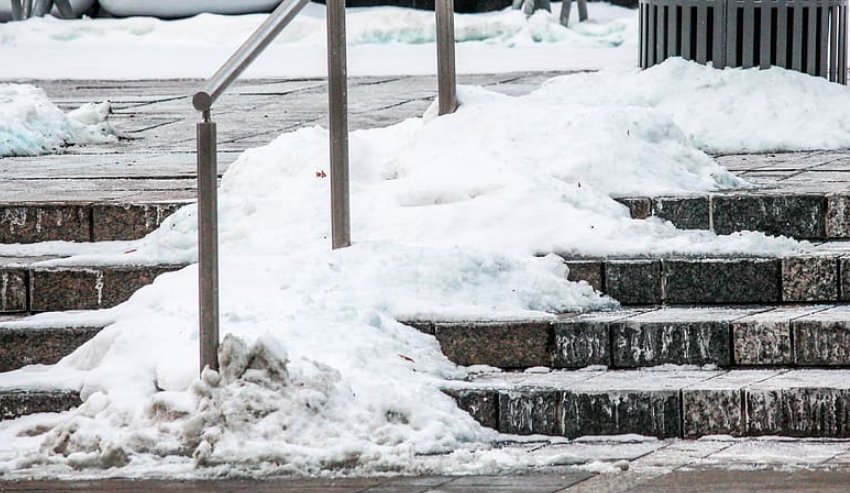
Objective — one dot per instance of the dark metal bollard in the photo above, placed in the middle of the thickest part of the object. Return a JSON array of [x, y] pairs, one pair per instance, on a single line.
[[208, 243], [446, 78], [338, 116]]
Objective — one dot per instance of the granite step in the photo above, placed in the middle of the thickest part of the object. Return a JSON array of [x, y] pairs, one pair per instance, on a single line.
[[82, 221], [662, 403], [805, 214], [26, 341], [15, 403], [737, 337], [823, 275], [33, 284]]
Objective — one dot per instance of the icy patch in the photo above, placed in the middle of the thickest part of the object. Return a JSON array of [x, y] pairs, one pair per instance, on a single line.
[[723, 111], [31, 125]]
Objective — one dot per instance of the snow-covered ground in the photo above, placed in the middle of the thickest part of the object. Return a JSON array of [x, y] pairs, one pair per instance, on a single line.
[[382, 41], [30, 124]]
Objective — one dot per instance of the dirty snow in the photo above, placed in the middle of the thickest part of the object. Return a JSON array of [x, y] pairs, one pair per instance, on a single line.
[[30, 124], [382, 41]]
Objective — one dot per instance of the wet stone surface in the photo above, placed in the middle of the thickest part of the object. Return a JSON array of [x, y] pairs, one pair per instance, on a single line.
[[722, 281], [13, 290], [20, 403], [684, 212], [530, 412], [589, 271], [795, 215], [809, 279], [580, 344], [634, 282], [639, 207], [712, 412], [819, 342], [635, 344], [799, 412], [654, 413], [504, 345], [838, 215], [761, 342], [19, 348], [30, 223], [483, 405], [128, 221]]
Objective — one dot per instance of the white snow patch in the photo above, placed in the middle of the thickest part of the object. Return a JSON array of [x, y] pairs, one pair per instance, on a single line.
[[30, 124]]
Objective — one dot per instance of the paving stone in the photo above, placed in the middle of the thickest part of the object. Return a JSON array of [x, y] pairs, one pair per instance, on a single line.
[[581, 343], [615, 413], [128, 221], [838, 215], [590, 271], [765, 338], [481, 404], [795, 215], [13, 290], [30, 223], [16, 403], [800, 403], [684, 212], [634, 282], [500, 344], [86, 288], [715, 406], [22, 347], [822, 338], [639, 207], [810, 278], [674, 336], [722, 280], [530, 412]]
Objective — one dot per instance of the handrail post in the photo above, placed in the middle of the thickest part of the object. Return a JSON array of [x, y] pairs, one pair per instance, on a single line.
[[17, 10], [208, 243], [446, 79], [338, 116]]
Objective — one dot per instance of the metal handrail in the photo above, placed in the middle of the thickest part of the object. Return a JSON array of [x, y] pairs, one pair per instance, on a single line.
[[203, 100]]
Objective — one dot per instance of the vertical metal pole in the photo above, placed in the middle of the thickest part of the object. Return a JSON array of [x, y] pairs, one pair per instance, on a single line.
[[65, 9], [208, 243], [446, 82], [338, 111], [27, 9], [17, 10]]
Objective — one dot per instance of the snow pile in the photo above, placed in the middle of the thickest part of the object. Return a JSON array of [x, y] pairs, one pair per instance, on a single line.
[[453, 218], [31, 125], [725, 111]]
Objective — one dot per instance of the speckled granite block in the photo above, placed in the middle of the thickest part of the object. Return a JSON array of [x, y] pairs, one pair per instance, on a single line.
[[810, 278], [651, 413], [844, 278], [589, 271], [722, 280], [504, 345], [13, 290], [761, 342], [634, 282], [30, 223], [635, 343], [639, 207], [22, 347], [579, 344], [712, 412], [17, 403], [421, 326], [821, 342], [684, 212], [795, 215], [481, 404], [529, 412], [838, 216], [128, 221], [85, 288], [799, 412]]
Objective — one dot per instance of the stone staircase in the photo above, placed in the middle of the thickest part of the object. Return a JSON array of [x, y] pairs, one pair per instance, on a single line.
[[737, 346]]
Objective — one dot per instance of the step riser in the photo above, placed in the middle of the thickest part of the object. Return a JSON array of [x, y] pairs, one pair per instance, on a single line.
[[718, 280], [19, 348], [14, 404], [802, 342], [811, 216], [43, 289], [31, 223], [663, 414]]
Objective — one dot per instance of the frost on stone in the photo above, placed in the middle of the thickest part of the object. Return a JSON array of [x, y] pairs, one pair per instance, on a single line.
[[30, 124]]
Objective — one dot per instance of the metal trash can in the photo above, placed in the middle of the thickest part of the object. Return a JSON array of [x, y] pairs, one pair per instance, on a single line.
[[805, 35]]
